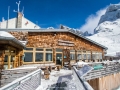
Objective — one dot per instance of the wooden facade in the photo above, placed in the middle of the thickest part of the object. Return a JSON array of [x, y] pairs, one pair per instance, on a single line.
[[11, 52], [69, 43], [10, 58]]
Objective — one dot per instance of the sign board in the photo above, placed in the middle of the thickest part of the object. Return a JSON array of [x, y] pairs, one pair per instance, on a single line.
[[65, 43]]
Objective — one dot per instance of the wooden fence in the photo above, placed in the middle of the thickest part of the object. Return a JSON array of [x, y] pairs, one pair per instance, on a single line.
[[107, 78]]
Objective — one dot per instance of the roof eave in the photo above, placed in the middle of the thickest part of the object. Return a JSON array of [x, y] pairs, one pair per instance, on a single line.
[[13, 40]]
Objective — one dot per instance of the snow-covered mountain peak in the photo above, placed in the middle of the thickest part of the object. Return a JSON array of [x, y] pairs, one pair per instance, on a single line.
[[110, 21], [107, 32], [112, 13]]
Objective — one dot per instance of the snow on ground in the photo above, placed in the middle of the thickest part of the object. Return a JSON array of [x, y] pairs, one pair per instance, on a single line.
[[54, 78]]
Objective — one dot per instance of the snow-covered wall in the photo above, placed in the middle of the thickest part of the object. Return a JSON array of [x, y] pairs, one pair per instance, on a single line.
[[11, 23], [26, 24]]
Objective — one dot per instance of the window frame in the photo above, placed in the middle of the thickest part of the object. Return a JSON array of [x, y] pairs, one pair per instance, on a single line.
[[48, 52], [32, 54], [72, 52], [79, 52]]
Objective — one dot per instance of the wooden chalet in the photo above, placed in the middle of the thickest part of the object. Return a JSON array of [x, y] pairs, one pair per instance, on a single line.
[[57, 46], [11, 52]]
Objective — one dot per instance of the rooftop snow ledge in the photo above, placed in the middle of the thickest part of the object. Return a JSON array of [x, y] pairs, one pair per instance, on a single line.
[[5, 34]]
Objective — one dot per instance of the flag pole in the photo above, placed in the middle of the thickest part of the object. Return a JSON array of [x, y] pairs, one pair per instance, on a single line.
[[8, 16]]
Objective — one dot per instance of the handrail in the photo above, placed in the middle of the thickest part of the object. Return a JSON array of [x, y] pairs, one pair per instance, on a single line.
[[84, 83], [18, 81]]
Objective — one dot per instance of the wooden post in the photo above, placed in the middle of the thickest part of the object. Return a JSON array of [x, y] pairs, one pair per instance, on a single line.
[[91, 55], [9, 61], [34, 54], [54, 55], [19, 59], [81, 55], [16, 61], [76, 55], [102, 54], [44, 61]]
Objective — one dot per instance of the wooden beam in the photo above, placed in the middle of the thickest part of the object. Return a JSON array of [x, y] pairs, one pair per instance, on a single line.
[[9, 61]]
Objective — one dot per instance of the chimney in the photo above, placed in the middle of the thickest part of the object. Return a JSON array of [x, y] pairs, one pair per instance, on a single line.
[[19, 20]]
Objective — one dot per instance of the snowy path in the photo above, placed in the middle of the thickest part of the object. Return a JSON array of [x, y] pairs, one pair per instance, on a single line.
[[55, 78]]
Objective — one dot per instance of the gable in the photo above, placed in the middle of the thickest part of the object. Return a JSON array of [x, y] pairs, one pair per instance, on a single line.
[[27, 24]]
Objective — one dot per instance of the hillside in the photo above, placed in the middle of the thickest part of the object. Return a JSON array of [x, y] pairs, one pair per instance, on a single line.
[[107, 32]]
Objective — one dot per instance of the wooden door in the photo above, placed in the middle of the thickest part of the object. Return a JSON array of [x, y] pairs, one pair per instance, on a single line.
[[66, 55]]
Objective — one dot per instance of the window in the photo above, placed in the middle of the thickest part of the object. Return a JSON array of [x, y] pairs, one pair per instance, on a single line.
[[39, 57], [50, 50], [79, 55], [12, 58], [97, 55], [40, 54], [59, 58], [6, 58], [94, 56], [48, 56], [30, 49], [89, 56], [39, 49], [28, 56], [72, 54], [84, 56], [100, 55]]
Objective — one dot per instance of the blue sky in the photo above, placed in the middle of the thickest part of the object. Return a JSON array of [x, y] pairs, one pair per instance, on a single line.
[[72, 13]]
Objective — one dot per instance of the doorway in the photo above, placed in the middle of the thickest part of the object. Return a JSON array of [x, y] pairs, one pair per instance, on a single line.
[[59, 59], [66, 57]]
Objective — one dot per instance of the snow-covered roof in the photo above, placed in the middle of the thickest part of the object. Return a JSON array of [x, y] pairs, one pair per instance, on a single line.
[[6, 34], [8, 38]]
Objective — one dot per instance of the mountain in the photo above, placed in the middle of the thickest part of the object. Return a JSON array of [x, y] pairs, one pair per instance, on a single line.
[[86, 33], [107, 32]]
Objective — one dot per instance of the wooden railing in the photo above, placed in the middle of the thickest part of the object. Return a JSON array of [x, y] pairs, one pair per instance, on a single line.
[[81, 84]]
